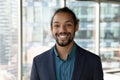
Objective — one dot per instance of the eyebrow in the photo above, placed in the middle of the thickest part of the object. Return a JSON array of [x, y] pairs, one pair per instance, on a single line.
[[65, 21], [55, 22], [70, 21]]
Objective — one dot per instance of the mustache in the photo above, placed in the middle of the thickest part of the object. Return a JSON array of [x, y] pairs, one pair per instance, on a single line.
[[62, 33]]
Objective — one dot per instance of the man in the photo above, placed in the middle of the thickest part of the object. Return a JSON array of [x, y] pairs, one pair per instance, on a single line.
[[66, 60]]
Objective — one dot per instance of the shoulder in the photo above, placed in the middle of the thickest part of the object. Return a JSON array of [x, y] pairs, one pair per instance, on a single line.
[[89, 55], [43, 56], [90, 59]]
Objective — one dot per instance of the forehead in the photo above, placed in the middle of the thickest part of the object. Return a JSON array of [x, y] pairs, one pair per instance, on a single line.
[[62, 16]]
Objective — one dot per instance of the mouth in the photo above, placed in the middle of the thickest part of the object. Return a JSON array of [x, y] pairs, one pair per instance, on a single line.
[[63, 39], [63, 36]]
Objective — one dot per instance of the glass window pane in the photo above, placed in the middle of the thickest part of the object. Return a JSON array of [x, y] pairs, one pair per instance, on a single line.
[[110, 37], [9, 27], [36, 26], [37, 36], [86, 13]]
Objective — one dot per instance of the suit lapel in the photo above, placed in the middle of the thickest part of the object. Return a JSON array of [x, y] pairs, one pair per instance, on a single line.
[[51, 65], [79, 64], [78, 68]]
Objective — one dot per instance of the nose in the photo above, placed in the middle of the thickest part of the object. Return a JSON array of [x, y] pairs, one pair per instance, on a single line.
[[63, 28]]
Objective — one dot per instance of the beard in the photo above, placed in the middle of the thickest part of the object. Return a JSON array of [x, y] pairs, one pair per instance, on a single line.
[[67, 41]]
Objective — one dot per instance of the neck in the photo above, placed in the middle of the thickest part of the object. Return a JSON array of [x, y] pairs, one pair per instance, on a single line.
[[64, 51]]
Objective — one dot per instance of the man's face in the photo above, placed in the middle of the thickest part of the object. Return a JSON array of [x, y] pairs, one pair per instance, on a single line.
[[63, 28]]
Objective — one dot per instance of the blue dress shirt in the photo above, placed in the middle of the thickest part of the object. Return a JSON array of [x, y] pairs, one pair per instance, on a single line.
[[64, 68]]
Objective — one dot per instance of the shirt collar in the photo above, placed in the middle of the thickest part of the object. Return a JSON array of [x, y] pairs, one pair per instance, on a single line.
[[71, 53]]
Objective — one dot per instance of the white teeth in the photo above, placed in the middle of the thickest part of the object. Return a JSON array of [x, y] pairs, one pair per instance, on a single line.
[[63, 36]]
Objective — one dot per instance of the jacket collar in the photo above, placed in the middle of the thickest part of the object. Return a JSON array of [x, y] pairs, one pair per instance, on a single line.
[[79, 63], [78, 67]]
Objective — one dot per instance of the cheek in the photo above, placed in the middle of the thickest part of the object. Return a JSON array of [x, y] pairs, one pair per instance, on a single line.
[[53, 32], [73, 33]]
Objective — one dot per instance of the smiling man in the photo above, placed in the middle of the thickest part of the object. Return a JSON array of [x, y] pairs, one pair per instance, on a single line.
[[66, 60]]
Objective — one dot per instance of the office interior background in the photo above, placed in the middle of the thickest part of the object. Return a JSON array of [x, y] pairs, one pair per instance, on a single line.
[[25, 33]]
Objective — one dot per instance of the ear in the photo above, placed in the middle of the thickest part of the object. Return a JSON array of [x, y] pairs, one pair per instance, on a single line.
[[76, 28]]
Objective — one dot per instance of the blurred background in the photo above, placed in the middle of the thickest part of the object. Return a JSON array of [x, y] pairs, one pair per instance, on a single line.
[[25, 33]]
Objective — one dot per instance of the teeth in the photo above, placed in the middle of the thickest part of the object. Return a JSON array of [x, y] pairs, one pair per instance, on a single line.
[[63, 36]]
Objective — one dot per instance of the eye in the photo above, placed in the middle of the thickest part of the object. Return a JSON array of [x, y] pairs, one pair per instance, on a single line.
[[68, 25], [55, 25]]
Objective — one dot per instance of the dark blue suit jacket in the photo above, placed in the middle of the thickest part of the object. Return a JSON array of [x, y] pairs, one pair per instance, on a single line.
[[87, 66]]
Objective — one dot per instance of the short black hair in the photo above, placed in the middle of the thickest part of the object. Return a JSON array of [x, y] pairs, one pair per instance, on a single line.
[[66, 10]]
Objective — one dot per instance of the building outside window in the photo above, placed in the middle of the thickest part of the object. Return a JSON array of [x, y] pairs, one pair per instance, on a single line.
[[99, 31], [9, 25]]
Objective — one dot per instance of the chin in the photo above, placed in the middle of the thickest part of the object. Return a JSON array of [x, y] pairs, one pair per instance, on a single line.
[[64, 44]]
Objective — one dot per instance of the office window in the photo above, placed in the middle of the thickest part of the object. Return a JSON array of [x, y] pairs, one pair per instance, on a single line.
[[36, 37], [9, 30], [86, 13], [93, 17], [109, 36], [36, 30]]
